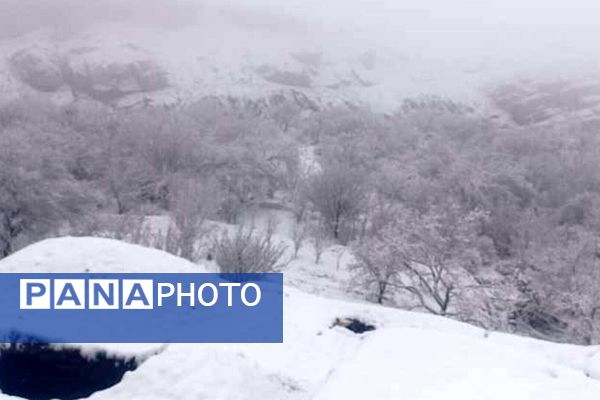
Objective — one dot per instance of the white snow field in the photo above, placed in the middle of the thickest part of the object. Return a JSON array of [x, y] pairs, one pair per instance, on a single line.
[[409, 356]]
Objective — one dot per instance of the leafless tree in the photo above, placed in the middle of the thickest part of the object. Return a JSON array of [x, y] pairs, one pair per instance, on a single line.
[[192, 203], [246, 251], [38, 195], [422, 255], [299, 233], [378, 268], [319, 236], [338, 192]]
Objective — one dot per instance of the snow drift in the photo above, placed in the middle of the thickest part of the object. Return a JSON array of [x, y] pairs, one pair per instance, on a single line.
[[408, 355]]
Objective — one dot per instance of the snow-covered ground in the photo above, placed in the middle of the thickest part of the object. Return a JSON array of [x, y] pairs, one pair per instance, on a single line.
[[409, 355]]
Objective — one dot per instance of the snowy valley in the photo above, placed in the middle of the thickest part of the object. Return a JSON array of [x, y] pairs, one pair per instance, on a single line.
[[424, 174]]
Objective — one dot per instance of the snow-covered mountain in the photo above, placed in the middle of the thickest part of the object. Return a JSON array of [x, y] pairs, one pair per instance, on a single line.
[[224, 54], [323, 55], [408, 355]]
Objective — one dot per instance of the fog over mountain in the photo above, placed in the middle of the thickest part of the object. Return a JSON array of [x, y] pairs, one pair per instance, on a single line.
[[462, 26], [376, 52]]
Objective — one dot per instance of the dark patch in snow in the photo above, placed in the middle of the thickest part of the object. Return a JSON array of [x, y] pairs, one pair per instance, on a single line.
[[300, 79], [38, 371], [353, 325]]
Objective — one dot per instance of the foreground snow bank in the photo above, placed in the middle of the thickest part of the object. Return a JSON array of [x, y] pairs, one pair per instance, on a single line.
[[89, 254], [422, 364], [409, 355]]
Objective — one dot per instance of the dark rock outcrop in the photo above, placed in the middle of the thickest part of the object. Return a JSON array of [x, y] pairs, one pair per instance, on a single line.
[[46, 71], [110, 82], [38, 69], [299, 79], [533, 102], [38, 371], [354, 325]]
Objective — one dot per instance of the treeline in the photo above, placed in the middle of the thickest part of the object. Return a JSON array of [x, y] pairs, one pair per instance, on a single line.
[[444, 210]]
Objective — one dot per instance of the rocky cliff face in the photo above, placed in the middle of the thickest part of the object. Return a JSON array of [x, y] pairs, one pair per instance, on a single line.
[[86, 75], [113, 81], [544, 101], [38, 68]]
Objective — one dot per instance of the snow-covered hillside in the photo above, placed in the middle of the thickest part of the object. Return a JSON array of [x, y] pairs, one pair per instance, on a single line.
[[409, 355], [245, 61], [317, 52]]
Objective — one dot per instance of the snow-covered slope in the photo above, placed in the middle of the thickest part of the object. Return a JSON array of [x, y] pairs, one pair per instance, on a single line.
[[90, 254], [324, 52], [409, 355], [84, 255], [243, 63], [244, 52]]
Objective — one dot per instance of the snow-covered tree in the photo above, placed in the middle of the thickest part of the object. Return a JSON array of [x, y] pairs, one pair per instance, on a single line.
[[247, 251], [338, 193], [192, 203], [426, 256], [38, 194]]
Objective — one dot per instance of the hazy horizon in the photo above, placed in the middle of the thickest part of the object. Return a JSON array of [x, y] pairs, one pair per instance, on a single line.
[[541, 34]]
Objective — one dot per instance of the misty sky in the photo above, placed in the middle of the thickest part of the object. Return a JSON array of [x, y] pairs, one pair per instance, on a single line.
[[569, 17], [570, 26], [558, 33], [448, 15], [453, 12]]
